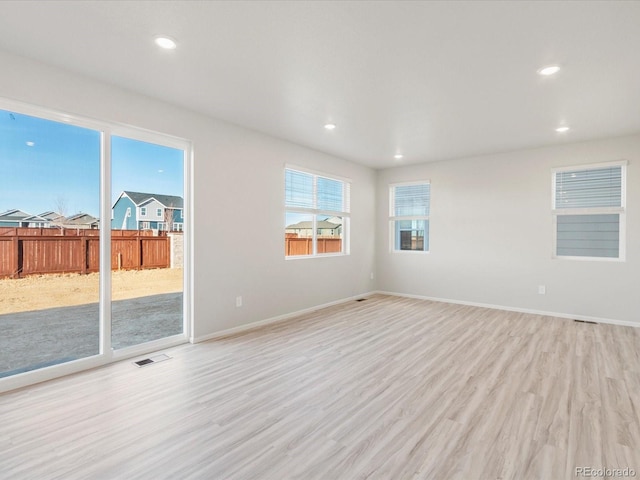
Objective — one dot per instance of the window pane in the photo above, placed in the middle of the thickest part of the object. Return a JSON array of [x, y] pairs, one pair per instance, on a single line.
[[412, 235], [588, 235], [330, 195], [597, 187], [329, 231], [49, 242], [298, 189], [298, 234], [411, 200], [146, 253]]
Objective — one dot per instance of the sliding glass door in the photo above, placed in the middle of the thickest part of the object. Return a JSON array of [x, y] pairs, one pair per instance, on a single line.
[[93, 251], [49, 242]]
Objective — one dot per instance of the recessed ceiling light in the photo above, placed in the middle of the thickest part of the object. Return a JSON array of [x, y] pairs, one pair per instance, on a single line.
[[165, 42], [330, 126], [548, 70], [398, 156], [562, 129], [30, 144]]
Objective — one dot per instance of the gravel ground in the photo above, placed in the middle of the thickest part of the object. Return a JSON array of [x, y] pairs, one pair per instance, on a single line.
[[34, 339]]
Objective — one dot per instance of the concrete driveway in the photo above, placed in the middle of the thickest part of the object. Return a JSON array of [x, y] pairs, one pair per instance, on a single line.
[[31, 340]]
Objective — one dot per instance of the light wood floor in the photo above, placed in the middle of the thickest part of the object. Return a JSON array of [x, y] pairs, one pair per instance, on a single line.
[[389, 388]]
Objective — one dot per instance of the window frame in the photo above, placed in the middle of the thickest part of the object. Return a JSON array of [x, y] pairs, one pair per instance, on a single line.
[[397, 218], [314, 212], [620, 211], [107, 355]]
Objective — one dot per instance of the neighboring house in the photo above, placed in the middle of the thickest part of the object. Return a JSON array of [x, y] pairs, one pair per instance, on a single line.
[[37, 221], [82, 221], [54, 219], [15, 218], [19, 218], [144, 211], [325, 228]]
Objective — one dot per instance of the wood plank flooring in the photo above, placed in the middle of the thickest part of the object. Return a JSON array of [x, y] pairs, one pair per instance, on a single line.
[[388, 388]]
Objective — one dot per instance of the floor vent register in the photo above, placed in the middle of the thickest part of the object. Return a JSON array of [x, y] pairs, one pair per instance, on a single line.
[[151, 360]]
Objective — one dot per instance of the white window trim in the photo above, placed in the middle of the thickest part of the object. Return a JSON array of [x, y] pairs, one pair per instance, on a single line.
[[395, 218], [314, 212], [555, 212]]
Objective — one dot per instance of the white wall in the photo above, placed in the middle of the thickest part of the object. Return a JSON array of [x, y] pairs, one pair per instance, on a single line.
[[238, 182], [491, 235]]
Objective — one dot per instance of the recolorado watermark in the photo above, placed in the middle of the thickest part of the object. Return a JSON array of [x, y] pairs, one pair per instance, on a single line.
[[603, 472]]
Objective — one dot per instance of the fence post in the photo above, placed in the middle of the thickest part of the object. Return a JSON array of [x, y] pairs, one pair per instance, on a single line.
[[15, 258], [139, 251], [83, 253]]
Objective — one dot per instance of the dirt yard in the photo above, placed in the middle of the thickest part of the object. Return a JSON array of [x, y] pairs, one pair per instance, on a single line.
[[47, 291]]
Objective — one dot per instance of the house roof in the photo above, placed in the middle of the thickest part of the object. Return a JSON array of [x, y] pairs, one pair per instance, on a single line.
[[51, 216], [166, 200], [81, 219], [14, 215], [321, 224], [35, 218]]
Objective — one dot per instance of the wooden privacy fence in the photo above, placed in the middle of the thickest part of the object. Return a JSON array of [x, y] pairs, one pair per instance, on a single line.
[[31, 251], [304, 246]]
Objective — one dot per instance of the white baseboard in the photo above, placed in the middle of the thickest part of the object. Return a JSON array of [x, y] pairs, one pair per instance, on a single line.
[[287, 316], [516, 309], [269, 321]]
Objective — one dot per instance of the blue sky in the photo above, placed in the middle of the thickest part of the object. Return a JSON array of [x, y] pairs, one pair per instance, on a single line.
[[45, 163]]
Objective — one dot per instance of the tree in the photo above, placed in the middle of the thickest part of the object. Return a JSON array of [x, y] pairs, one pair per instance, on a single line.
[[168, 217], [60, 207]]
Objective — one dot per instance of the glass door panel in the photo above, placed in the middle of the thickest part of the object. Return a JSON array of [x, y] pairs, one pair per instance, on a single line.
[[147, 241], [49, 242]]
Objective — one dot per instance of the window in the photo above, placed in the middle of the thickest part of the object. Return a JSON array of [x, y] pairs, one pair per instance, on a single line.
[[128, 212], [409, 216], [589, 211], [317, 214], [143, 211], [158, 212]]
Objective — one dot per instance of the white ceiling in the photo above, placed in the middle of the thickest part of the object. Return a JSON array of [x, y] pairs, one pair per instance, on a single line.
[[432, 80]]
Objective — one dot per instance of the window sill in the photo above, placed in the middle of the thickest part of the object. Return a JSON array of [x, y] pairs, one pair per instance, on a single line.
[[412, 252], [588, 259], [324, 255]]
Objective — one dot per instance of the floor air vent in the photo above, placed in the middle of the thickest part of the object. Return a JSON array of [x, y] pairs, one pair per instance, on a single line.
[[148, 361], [586, 321], [361, 300]]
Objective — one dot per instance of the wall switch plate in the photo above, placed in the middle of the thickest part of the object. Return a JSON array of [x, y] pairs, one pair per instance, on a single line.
[[542, 289], [238, 301]]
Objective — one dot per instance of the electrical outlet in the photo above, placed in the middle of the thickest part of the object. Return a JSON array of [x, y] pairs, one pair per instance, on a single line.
[[542, 289], [238, 301]]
